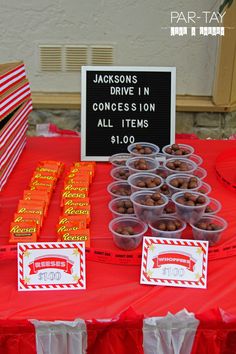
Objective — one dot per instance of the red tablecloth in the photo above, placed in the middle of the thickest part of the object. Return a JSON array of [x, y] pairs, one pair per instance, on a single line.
[[110, 288]]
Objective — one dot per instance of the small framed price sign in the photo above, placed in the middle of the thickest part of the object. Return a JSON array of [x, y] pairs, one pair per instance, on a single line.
[[124, 105], [51, 266], [174, 262]]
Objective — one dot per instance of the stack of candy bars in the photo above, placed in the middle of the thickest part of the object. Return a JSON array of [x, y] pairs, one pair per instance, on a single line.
[[32, 209], [15, 106], [74, 222]]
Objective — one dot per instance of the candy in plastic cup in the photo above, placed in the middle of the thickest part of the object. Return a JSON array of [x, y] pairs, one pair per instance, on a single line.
[[182, 181], [120, 173], [213, 207], [143, 149], [209, 228], [121, 207], [189, 213], [166, 226], [119, 189], [127, 232], [145, 212], [205, 188], [144, 180], [179, 165], [119, 159], [183, 151], [142, 164]]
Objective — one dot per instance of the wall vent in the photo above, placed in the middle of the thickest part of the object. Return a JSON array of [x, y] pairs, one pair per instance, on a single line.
[[101, 55], [66, 58], [75, 57], [50, 57]]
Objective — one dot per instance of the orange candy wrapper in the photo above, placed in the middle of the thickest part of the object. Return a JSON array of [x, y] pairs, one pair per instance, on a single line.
[[78, 187], [37, 195], [23, 232], [29, 217], [51, 164], [40, 182], [32, 204], [79, 220], [61, 229], [76, 202], [83, 210], [76, 236], [48, 176], [73, 178]]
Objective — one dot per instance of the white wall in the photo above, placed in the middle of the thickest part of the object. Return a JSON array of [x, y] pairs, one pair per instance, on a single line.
[[134, 27]]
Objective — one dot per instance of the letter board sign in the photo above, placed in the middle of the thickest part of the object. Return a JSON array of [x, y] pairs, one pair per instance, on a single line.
[[123, 105]]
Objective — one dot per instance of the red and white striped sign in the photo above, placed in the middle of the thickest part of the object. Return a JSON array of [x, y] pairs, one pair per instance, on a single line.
[[51, 266], [174, 262]]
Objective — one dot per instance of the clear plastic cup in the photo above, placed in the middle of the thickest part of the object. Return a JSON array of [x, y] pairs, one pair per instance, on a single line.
[[200, 172], [188, 213], [162, 172], [189, 165], [196, 158], [141, 180], [164, 227], [205, 188], [119, 189], [185, 177], [119, 159], [120, 173], [213, 207], [147, 149], [169, 209], [121, 207], [189, 150], [136, 164], [147, 213], [161, 158], [213, 236], [127, 241], [164, 189]]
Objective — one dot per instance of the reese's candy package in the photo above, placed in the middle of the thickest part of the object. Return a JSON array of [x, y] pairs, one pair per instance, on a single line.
[[52, 169], [40, 182], [80, 210], [73, 178], [32, 204], [23, 232], [36, 195], [50, 164], [80, 220], [78, 187], [49, 176], [29, 217], [76, 202], [62, 228], [42, 187], [76, 236]]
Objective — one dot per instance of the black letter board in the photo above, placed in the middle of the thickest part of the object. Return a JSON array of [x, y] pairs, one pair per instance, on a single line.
[[123, 105]]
